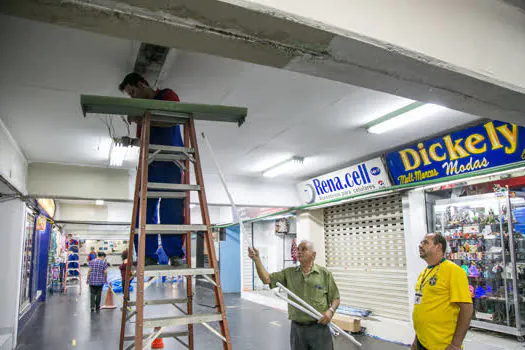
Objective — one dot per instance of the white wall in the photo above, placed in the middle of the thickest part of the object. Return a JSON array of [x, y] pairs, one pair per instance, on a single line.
[[11, 240], [76, 181], [485, 37], [13, 164], [310, 227], [414, 217]]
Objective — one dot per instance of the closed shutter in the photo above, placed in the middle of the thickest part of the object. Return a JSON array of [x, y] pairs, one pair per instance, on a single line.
[[365, 251], [247, 263]]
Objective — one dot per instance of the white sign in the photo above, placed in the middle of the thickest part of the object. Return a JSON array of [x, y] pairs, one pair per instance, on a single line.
[[356, 179]]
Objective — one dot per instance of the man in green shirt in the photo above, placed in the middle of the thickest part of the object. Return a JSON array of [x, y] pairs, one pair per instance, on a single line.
[[316, 286]]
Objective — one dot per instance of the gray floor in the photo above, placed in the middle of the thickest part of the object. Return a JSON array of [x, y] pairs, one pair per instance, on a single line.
[[65, 322]]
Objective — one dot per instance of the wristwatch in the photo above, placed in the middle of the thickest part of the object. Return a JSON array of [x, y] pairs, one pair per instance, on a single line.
[[332, 309]]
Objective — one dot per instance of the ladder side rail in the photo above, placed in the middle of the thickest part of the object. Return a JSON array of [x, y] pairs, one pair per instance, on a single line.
[[127, 276], [141, 251], [219, 298], [187, 221]]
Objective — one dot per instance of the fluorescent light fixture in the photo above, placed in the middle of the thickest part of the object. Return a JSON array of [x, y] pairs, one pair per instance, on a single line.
[[99, 202], [399, 118], [287, 166], [193, 205], [119, 153]]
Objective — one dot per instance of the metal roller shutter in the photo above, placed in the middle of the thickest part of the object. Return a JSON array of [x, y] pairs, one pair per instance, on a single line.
[[247, 264], [365, 251]]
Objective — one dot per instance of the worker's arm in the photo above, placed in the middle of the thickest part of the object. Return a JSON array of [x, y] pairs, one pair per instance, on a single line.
[[261, 271], [465, 314], [87, 278], [414, 344], [334, 298]]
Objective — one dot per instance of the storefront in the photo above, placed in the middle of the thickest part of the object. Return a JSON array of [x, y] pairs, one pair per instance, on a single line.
[[363, 237], [34, 281], [473, 182]]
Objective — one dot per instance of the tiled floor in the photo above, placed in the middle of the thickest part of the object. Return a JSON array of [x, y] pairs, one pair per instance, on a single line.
[[64, 322]]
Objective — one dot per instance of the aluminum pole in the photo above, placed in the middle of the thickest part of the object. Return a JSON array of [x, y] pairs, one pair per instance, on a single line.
[[311, 312]]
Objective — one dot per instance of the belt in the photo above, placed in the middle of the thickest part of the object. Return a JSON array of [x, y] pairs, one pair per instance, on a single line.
[[305, 324]]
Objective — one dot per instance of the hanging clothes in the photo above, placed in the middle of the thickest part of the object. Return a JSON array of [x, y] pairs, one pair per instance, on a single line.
[[294, 250]]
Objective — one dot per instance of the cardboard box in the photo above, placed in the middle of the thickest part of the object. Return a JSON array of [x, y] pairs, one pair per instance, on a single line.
[[347, 323]]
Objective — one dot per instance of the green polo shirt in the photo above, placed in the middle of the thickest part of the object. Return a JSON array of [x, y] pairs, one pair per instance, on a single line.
[[318, 289]]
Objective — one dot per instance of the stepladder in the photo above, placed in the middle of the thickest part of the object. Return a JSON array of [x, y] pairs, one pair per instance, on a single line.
[[147, 326], [72, 272]]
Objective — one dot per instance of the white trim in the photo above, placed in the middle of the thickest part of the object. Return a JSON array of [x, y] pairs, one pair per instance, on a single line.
[[13, 141]]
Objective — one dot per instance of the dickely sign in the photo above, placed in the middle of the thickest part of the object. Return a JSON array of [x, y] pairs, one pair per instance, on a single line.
[[360, 178], [481, 147]]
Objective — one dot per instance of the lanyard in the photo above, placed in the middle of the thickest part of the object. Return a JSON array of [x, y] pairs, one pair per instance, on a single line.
[[427, 273]]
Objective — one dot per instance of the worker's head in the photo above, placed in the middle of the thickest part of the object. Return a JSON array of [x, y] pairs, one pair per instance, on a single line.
[[306, 252], [69, 235], [92, 249], [101, 255], [136, 86], [433, 247]]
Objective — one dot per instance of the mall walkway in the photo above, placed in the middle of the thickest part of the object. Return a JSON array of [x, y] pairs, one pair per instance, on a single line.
[[65, 322]]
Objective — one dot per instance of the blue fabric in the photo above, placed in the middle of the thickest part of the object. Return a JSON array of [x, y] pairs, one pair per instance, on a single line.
[[171, 210]]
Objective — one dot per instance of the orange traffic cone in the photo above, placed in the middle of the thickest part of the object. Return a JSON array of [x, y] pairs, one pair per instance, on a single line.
[[157, 343], [109, 304]]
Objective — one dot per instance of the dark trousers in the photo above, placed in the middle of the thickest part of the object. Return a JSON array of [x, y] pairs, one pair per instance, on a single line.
[[420, 346], [312, 336], [96, 293]]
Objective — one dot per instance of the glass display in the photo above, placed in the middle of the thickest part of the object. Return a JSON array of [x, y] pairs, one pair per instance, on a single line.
[[491, 251], [27, 263]]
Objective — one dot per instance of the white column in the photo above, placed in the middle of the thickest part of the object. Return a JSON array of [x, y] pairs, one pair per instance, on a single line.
[[414, 217], [310, 227]]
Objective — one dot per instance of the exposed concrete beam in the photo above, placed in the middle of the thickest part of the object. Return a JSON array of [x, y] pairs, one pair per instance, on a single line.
[[275, 39]]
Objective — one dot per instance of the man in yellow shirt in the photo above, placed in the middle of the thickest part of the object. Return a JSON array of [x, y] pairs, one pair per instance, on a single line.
[[443, 305]]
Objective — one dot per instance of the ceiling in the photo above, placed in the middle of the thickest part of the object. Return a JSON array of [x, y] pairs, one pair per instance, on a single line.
[[46, 68]]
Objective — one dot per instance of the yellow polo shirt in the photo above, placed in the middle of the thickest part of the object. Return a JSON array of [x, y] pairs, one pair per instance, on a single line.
[[435, 318]]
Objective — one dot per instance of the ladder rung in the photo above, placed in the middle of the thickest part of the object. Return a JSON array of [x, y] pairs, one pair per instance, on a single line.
[[171, 149], [170, 271], [167, 157], [174, 187], [155, 194], [162, 335], [174, 229], [160, 302], [181, 320]]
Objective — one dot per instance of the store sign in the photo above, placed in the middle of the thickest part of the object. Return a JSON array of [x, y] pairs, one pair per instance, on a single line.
[[481, 147], [356, 179]]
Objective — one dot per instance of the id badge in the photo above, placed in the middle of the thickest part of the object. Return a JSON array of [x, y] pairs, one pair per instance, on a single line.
[[419, 296]]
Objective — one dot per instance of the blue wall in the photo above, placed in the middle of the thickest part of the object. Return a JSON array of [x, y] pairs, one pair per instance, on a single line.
[[230, 261]]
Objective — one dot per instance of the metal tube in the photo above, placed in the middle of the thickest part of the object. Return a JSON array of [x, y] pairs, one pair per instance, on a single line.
[[310, 311], [306, 311], [213, 330], [221, 175]]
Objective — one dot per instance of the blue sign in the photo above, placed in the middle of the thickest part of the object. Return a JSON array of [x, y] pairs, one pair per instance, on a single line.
[[481, 147]]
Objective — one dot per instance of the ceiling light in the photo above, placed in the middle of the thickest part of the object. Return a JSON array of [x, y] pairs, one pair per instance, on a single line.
[[399, 118], [287, 166], [121, 152], [193, 205], [99, 202]]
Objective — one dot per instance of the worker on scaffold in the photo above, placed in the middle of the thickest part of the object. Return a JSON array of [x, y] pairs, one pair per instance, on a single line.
[[164, 211]]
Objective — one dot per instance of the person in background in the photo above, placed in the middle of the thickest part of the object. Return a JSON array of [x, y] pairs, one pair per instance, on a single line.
[[96, 278], [92, 255], [443, 305], [159, 210], [316, 286], [122, 267]]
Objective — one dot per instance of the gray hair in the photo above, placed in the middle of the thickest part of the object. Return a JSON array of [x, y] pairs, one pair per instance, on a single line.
[[310, 243]]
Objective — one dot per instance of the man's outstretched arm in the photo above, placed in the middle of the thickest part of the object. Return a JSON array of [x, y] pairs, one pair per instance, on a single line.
[[261, 271]]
